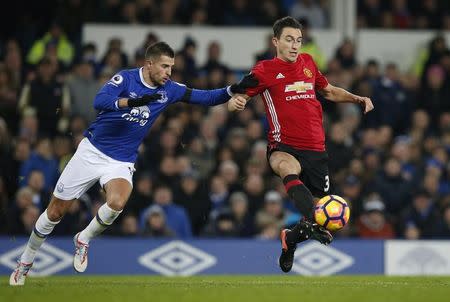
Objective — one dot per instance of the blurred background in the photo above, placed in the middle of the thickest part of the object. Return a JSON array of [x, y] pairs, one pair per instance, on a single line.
[[202, 172]]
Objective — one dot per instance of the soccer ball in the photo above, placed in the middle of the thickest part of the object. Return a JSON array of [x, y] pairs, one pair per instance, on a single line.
[[332, 212]]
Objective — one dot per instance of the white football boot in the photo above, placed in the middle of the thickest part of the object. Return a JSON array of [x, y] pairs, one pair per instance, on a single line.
[[19, 274], [80, 259]]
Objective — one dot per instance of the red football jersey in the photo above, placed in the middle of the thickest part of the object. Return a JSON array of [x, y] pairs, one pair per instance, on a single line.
[[292, 108]]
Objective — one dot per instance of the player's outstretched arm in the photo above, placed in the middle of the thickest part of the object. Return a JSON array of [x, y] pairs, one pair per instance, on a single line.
[[219, 96], [339, 95]]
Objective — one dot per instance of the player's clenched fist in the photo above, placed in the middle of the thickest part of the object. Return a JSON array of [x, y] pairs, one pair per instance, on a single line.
[[237, 103], [366, 103]]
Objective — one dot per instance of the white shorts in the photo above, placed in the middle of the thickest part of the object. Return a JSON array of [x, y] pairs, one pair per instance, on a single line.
[[87, 166]]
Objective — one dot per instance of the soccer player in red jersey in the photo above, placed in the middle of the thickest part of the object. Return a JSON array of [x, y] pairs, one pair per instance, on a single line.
[[296, 140]]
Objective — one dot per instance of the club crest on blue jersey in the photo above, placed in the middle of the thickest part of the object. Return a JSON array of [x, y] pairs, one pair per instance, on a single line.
[[138, 115], [164, 97]]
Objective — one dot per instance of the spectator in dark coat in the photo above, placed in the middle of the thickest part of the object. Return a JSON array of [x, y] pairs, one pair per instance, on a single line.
[[435, 96], [49, 96], [141, 197], [239, 209], [423, 214], [393, 102], [340, 153], [192, 195], [392, 187]]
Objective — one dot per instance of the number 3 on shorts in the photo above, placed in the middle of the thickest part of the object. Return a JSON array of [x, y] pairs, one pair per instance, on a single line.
[[327, 183]]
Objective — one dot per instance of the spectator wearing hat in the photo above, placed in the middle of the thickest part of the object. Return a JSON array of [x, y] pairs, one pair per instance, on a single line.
[[239, 209], [177, 218], [272, 217], [373, 224], [155, 223], [221, 225]]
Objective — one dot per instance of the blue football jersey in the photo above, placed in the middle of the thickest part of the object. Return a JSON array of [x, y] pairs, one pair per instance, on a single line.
[[118, 132]]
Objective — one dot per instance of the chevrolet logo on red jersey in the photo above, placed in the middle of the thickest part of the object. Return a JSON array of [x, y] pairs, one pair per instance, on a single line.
[[299, 87]]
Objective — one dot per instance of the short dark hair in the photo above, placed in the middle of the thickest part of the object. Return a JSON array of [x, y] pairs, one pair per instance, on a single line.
[[158, 49], [284, 22]]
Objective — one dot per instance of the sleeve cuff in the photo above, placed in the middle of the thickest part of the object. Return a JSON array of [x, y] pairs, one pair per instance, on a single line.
[[116, 104], [229, 91]]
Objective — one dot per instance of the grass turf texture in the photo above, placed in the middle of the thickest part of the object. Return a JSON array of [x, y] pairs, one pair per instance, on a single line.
[[228, 288]]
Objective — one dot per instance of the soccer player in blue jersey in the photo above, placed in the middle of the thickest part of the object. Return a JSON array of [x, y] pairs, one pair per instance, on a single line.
[[128, 105]]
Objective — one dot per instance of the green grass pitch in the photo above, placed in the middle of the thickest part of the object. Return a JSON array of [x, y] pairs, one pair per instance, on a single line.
[[228, 288]]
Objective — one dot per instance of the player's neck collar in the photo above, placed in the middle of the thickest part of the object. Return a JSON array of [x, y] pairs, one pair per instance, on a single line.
[[141, 76], [287, 62]]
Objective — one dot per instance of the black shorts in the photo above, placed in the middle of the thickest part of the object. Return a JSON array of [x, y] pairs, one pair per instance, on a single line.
[[314, 164]]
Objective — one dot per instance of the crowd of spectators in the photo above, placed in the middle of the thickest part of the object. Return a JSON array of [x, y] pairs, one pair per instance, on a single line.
[[203, 171], [29, 19], [404, 14]]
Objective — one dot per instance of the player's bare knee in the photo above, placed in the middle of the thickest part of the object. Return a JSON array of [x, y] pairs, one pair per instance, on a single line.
[[57, 209], [116, 202]]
